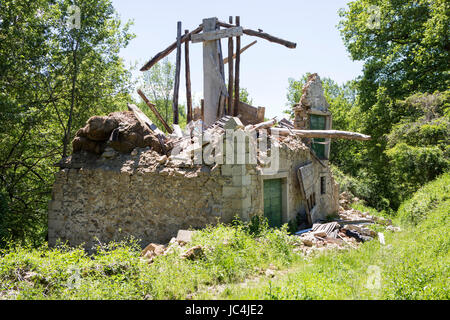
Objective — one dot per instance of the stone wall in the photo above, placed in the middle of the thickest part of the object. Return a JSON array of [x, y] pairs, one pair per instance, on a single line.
[[113, 199], [145, 195]]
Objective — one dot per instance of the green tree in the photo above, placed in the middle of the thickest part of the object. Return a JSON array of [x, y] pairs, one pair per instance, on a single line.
[[405, 48], [53, 76], [158, 86]]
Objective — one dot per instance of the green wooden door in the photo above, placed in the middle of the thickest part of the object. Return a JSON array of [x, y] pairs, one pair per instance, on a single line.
[[318, 123], [272, 202]]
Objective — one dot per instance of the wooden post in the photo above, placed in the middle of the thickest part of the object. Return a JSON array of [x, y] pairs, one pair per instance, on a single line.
[[177, 75], [230, 73], [212, 79], [155, 111], [202, 106], [188, 79], [236, 72]]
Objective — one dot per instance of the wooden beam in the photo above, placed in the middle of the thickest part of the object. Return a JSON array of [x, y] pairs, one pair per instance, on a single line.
[[144, 120], [225, 61], [176, 88], [262, 35], [270, 38], [169, 49], [188, 79], [236, 71], [230, 73], [333, 134], [217, 34], [265, 125], [155, 111]]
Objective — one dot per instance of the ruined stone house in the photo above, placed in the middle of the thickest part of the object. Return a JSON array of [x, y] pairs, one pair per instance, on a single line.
[[127, 178]]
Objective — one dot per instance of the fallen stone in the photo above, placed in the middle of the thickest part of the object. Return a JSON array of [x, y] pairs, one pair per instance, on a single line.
[[153, 249], [321, 234], [233, 124], [308, 242], [184, 236], [193, 253], [361, 230]]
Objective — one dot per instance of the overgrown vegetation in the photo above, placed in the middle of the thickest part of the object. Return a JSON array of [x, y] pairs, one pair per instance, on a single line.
[[117, 271], [413, 264], [54, 75]]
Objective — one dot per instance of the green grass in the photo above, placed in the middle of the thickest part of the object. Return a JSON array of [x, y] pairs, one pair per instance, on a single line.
[[414, 264], [116, 270]]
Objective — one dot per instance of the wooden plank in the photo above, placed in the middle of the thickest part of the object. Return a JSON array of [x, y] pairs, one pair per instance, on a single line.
[[176, 88], [225, 61], [217, 34], [169, 49], [332, 134], [230, 73], [260, 113], [262, 35], [265, 124], [221, 109], [188, 79], [236, 70], [144, 120], [155, 111]]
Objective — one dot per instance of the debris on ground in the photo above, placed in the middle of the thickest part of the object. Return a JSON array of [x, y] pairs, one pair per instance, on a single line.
[[193, 253], [350, 230], [180, 243]]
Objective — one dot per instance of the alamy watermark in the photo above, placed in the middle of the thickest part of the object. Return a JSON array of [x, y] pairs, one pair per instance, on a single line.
[[74, 280], [373, 281], [231, 147], [374, 21], [73, 21]]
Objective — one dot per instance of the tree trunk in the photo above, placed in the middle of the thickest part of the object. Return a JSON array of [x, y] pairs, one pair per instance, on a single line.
[[72, 100]]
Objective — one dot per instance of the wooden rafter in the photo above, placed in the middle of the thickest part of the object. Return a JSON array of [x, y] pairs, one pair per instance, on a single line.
[[169, 49]]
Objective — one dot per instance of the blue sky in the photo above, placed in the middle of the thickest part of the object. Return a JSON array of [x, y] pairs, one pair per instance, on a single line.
[[266, 66]]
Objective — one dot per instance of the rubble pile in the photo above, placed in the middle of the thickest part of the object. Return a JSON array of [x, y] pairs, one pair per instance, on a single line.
[[349, 231], [120, 131]]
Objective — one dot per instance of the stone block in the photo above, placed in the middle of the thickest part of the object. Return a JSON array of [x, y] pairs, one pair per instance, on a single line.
[[185, 235], [232, 192], [233, 124], [227, 170], [239, 170], [246, 180]]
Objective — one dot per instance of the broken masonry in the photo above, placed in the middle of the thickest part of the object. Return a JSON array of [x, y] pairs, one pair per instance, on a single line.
[[127, 177]]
